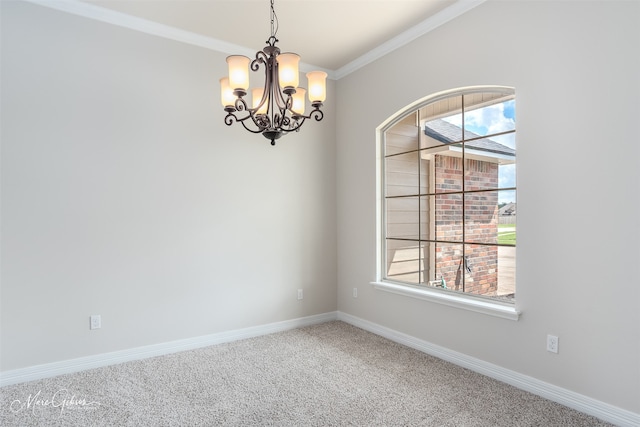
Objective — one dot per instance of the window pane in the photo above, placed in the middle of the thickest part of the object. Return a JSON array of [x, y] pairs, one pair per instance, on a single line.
[[489, 218], [425, 173], [506, 218], [481, 217], [441, 122], [447, 261], [404, 261], [447, 174], [447, 224], [488, 119], [480, 175], [506, 273], [427, 205], [489, 165], [507, 176], [507, 231], [403, 218], [428, 262], [490, 271], [404, 174], [506, 140], [441, 132], [481, 270], [402, 137]]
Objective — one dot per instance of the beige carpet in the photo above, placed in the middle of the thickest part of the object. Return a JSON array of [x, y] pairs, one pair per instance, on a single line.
[[331, 374]]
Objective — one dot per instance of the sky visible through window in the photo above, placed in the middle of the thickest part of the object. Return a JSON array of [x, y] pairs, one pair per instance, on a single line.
[[495, 118]]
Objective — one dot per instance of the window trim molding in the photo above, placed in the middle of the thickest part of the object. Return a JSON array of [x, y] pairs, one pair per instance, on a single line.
[[451, 299], [439, 296]]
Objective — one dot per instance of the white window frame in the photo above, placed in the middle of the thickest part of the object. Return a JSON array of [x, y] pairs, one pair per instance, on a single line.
[[453, 299]]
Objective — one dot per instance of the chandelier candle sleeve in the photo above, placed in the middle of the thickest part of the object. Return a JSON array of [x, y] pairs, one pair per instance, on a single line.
[[288, 70], [298, 101], [317, 86], [238, 73], [227, 97], [256, 97]]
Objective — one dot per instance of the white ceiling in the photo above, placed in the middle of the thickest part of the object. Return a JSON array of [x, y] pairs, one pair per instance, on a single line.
[[328, 34]]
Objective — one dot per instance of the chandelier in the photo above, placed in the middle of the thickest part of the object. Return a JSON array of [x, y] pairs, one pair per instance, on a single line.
[[278, 107]]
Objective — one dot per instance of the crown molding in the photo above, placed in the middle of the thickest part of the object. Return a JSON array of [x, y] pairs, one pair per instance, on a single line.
[[120, 19], [442, 17], [124, 20]]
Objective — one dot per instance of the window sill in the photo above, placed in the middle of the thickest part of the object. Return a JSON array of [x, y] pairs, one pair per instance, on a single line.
[[479, 305]]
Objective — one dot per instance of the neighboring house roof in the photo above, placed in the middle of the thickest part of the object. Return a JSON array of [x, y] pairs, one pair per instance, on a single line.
[[508, 209], [446, 132]]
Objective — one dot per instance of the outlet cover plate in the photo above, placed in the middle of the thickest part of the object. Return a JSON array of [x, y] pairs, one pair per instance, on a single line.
[[95, 322], [552, 343]]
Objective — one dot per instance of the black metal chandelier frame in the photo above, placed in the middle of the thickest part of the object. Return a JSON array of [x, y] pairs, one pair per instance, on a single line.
[[279, 118]]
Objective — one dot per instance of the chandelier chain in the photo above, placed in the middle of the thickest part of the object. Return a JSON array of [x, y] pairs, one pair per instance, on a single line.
[[274, 21]]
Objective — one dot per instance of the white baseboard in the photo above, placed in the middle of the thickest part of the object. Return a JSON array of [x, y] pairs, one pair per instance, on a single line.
[[565, 397], [587, 405], [90, 362]]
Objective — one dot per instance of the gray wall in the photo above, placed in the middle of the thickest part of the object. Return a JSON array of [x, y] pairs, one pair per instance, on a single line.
[[574, 68], [124, 194]]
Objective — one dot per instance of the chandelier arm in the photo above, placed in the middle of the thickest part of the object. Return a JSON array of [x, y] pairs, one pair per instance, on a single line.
[[260, 121], [277, 105], [285, 102], [285, 123], [316, 113], [261, 58], [267, 81], [276, 123], [230, 118], [282, 103], [281, 114], [241, 104], [284, 106], [258, 130], [265, 97], [296, 123]]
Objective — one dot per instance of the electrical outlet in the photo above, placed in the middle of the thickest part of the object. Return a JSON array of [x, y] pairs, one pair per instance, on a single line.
[[95, 322], [355, 292], [552, 343], [300, 295]]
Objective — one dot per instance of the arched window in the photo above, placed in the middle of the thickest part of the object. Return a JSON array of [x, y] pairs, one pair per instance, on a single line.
[[448, 194]]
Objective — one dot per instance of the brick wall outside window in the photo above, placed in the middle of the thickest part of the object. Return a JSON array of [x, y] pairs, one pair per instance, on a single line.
[[480, 219]]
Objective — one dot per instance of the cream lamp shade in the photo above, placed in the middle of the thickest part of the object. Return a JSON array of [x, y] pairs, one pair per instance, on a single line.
[[226, 93], [317, 86], [288, 69], [256, 97], [298, 101], [238, 72]]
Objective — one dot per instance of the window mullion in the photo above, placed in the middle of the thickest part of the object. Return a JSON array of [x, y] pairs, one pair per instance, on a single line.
[[464, 210]]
